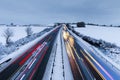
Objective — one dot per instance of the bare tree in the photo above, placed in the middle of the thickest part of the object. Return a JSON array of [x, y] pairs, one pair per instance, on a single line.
[[29, 31], [8, 33]]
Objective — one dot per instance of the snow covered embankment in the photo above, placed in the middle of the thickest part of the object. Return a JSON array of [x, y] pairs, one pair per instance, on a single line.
[[15, 45], [104, 46]]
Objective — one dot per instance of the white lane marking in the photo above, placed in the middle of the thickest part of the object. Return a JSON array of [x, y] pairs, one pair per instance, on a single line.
[[22, 77], [32, 63]]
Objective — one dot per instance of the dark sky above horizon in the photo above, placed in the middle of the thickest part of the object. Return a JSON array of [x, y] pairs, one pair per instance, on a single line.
[[51, 11]]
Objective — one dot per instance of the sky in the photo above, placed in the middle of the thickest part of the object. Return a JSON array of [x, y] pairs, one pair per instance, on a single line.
[[52, 11]]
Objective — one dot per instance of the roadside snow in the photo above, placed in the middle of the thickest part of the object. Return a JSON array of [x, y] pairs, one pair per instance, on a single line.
[[37, 29], [109, 34]]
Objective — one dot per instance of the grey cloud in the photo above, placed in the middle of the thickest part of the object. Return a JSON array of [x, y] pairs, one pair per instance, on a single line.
[[50, 11]]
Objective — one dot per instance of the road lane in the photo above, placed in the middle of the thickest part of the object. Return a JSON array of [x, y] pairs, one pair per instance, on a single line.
[[79, 70]]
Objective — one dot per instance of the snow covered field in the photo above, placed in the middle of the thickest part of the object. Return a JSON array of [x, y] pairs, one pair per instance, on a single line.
[[109, 34], [18, 32], [19, 35]]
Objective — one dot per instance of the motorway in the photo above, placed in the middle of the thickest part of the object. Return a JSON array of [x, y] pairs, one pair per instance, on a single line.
[[85, 64], [31, 64]]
